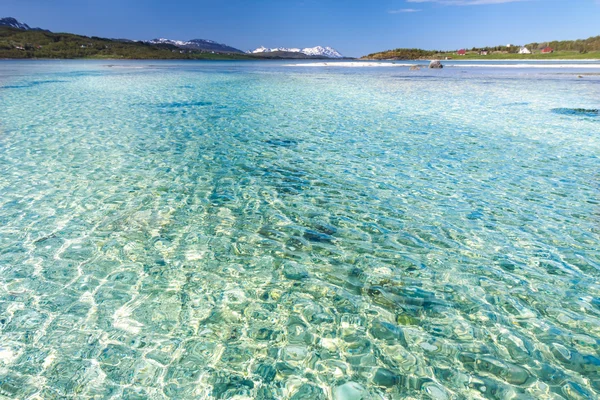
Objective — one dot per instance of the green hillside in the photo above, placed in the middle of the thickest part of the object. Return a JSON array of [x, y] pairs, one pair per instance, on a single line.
[[402, 54], [582, 46], [15, 43], [568, 49]]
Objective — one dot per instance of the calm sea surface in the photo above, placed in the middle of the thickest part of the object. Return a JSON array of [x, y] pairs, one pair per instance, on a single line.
[[262, 231]]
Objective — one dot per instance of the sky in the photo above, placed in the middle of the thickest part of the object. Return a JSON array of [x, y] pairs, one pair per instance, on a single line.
[[353, 27]]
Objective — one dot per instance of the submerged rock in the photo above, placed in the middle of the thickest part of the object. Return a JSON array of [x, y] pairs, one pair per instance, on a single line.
[[319, 237], [386, 378], [282, 142], [349, 391], [308, 391], [184, 104], [415, 68], [581, 112], [266, 372], [390, 333], [436, 64], [295, 272]]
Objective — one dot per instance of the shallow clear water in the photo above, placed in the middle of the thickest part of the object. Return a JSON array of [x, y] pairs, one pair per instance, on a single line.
[[213, 230]]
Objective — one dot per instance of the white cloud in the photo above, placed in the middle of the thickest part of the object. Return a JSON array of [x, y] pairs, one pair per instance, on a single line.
[[403, 10], [466, 2]]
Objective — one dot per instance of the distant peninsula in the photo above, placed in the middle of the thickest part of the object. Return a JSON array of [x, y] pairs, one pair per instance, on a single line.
[[566, 50]]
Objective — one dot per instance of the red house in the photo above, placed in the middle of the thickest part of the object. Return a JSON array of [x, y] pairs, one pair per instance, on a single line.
[[462, 52], [547, 50]]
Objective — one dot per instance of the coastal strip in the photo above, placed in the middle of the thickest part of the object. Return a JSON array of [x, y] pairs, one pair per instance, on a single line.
[[453, 65]]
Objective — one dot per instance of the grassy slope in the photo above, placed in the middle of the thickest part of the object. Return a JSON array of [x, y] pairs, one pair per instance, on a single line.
[[568, 49], [557, 55], [38, 44]]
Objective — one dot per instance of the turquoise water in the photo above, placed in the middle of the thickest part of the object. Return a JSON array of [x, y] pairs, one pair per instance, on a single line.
[[254, 230]]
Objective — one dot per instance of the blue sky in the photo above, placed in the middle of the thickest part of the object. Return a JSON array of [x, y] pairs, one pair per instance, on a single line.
[[354, 27]]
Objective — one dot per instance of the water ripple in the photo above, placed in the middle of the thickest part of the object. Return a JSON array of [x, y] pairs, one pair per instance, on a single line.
[[263, 236]]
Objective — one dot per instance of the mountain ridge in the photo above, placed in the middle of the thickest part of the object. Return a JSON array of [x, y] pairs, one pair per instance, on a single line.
[[11, 22], [318, 51], [198, 44], [19, 41], [29, 48]]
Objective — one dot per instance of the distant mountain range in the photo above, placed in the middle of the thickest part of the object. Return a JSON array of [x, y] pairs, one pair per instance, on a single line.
[[198, 44], [20, 41], [282, 52], [195, 48], [318, 51]]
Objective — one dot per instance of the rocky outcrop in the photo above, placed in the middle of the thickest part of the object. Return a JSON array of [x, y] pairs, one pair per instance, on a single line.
[[436, 64]]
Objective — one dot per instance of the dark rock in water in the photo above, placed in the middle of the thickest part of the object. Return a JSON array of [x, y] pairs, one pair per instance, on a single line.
[[315, 236], [436, 64], [185, 104], [265, 393], [325, 228], [263, 334], [227, 386], [475, 215], [507, 266], [386, 378], [308, 391], [385, 331], [285, 369], [30, 84], [267, 372], [295, 272], [297, 243], [282, 142], [581, 112]]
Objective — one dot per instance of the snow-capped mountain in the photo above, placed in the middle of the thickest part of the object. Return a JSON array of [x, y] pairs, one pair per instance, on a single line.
[[263, 49], [178, 43], [318, 51], [197, 44], [13, 23], [322, 51]]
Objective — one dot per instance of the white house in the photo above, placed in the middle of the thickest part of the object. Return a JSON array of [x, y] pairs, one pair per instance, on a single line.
[[524, 50]]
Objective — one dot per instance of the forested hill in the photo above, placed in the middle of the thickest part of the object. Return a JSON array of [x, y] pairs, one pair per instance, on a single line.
[[583, 48], [582, 45], [19, 43], [402, 54]]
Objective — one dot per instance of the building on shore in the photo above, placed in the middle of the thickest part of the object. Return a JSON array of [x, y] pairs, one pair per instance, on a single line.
[[547, 50], [462, 52], [524, 50]]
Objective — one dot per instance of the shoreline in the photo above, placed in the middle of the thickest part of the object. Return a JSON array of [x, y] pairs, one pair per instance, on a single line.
[[332, 60], [524, 60], [447, 64], [491, 60]]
